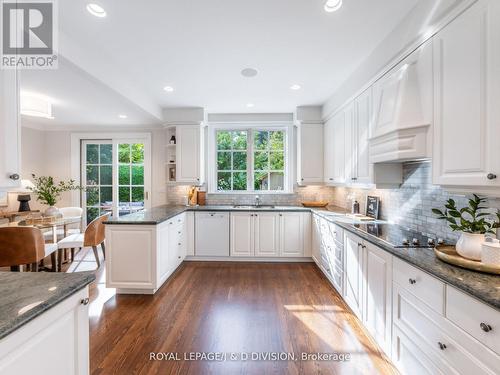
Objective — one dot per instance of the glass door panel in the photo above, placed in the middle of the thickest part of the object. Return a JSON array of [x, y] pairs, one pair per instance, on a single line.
[[97, 178], [131, 190]]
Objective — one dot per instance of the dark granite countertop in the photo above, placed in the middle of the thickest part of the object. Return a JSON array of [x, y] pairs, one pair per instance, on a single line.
[[157, 215], [482, 286], [24, 296]]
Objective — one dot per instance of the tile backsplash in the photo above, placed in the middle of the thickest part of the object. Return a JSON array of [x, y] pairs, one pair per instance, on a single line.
[[309, 193], [411, 204]]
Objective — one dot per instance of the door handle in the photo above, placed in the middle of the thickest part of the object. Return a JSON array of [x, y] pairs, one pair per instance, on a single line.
[[146, 195]]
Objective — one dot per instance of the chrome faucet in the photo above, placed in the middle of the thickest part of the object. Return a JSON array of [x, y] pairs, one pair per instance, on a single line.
[[257, 201]]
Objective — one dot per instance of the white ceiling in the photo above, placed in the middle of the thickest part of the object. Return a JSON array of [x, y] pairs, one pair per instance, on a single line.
[[199, 47]]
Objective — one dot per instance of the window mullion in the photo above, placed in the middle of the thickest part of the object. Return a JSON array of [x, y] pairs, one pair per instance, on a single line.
[[250, 161]]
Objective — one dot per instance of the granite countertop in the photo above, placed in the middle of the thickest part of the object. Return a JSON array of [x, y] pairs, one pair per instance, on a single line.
[[159, 214], [25, 295], [482, 286]]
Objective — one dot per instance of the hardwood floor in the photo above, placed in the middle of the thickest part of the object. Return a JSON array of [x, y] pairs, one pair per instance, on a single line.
[[230, 308]]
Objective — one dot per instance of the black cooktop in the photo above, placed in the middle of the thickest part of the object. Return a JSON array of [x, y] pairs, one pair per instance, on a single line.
[[399, 236]]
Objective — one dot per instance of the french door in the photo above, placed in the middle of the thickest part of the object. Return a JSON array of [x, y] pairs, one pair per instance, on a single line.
[[116, 174]]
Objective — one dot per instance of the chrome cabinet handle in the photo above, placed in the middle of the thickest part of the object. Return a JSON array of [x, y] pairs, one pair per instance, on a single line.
[[485, 327], [84, 301], [491, 176], [14, 177], [412, 281], [442, 346]]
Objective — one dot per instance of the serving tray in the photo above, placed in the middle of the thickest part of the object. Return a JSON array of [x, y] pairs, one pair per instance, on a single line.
[[315, 204], [449, 255]]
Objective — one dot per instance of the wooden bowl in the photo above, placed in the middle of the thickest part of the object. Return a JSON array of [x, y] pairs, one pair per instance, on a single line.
[[449, 255], [315, 204]]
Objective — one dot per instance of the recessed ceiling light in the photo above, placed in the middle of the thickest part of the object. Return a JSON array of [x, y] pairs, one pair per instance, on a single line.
[[96, 10], [168, 88], [295, 87], [250, 105], [249, 72], [122, 116], [332, 5]]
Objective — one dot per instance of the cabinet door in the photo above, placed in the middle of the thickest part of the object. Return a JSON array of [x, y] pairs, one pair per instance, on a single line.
[[212, 234], [339, 148], [266, 234], [10, 149], [189, 154], [467, 93], [310, 154], [353, 273], [362, 118], [242, 234], [377, 294], [173, 246], [316, 239], [292, 234], [328, 145], [163, 252]]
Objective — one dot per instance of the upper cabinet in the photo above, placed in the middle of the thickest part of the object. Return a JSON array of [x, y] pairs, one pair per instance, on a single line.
[[467, 97], [10, 149], [310, 153], [402, 110], [362, 114], [189, 154], [328, 162]]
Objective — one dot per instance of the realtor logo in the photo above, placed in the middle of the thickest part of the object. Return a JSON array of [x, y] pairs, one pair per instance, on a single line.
[[28, 34]]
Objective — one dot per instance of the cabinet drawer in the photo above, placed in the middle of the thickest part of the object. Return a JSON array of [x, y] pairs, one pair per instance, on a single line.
[[477, 319], [338, 279], [337, 233], [424, 326], [427, 288], [408, 357], [339, 255]]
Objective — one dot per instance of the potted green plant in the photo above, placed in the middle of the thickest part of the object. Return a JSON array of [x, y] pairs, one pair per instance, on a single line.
[[474, 222], [48, 192]]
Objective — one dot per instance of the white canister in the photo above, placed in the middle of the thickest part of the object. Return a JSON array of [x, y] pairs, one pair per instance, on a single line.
[[490, 252]]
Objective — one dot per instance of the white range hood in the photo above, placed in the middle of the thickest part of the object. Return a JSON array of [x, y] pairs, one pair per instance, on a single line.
[[402, 112]]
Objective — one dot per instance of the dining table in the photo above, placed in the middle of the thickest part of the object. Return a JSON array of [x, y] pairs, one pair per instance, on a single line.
[[53, 225]]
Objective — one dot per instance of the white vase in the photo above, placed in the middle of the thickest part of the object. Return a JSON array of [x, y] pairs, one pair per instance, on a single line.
[[51, 211], [469, 245]]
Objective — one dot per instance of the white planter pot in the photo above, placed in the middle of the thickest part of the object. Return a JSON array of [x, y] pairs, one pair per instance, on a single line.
[[51, 211], [469, 245]]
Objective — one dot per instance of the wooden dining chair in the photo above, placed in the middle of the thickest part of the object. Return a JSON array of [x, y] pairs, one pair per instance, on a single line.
[[24, 246], [92, 237]]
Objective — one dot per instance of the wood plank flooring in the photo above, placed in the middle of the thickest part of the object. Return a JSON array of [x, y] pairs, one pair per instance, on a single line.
[[230, 308]]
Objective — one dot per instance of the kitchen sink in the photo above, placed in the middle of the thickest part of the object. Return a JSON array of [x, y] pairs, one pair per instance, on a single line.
[[249, 207]]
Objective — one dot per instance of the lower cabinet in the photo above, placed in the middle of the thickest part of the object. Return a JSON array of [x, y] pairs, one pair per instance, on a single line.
[[140, 258], [354, 273], [56, 342], [270, 234]]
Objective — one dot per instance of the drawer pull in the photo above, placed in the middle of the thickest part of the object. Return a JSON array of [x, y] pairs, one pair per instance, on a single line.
[[485, 327], [179, 244], [442, 346], [179, 232], [84, 301], [491, 176], [412, 281]]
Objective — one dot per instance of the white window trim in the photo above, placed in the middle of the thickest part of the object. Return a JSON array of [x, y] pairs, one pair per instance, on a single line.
[[212, 156]]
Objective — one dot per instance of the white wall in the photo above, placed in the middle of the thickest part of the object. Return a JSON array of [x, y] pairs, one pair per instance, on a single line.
[[49, 153]]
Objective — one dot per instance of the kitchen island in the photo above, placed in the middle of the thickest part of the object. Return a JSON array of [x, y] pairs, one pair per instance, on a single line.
[[44, 323]]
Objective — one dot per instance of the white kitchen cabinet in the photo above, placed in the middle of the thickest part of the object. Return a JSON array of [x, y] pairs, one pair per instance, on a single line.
[[212, 234], [55, 342], [189, 154], [353, 273], [328, 159], [242, 234], [316, 239], [361, 171], [10, 137], [377, 295], [310, 154], [267, 234], [292, 234], [467, 93], [140, 258], [342, 121]]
